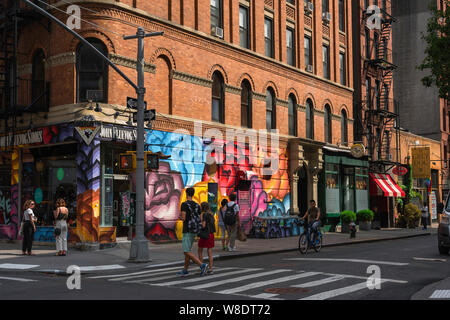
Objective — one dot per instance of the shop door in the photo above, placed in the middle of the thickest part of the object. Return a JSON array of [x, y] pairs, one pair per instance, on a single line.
[[120, 185]]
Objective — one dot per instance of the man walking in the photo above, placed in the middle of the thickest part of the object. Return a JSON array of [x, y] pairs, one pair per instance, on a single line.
[[190, 215], [232, 221]]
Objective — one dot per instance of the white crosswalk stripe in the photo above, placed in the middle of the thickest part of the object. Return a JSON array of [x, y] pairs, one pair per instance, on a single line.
[[17, 279], [266, 283], [321, 285], [338, 292]]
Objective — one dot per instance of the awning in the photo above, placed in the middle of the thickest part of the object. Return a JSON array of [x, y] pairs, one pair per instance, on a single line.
[[382, 184]]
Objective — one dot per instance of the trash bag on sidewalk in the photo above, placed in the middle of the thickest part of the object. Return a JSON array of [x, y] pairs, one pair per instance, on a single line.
[[241, 235]]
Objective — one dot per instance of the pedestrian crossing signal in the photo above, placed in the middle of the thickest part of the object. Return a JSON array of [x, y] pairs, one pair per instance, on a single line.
[[127, 161], [151, 161]]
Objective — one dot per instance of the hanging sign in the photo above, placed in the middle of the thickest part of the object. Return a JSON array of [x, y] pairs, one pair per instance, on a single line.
[[400, 170], [421, 162], [358, 150]]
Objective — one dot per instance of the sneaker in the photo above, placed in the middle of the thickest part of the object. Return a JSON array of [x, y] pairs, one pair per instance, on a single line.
[[232, 249], [203, 268], [183, 273], [210, 271]]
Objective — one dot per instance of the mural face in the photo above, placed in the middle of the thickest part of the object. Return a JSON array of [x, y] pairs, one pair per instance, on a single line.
[[187, 167]]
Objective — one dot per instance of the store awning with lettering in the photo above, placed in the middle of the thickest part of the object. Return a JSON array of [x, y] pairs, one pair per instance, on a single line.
[[384, 185]]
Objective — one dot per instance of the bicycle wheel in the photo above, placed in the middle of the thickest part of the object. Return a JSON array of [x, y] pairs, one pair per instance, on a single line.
[[303, 244], [318, 242]]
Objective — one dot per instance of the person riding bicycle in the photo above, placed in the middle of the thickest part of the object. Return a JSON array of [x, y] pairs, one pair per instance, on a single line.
[[313, 215]]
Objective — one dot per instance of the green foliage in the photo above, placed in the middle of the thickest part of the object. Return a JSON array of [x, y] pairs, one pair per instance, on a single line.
[[437, 58], [410, 217], [365, 215], [348, 216]]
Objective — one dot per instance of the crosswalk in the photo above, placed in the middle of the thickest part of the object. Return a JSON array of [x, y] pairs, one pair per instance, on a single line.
[[259, 283]]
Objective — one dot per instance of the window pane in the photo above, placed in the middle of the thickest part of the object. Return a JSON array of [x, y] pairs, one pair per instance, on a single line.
[[308, 60], [343, 72], [290, 47], [325, 57], [216, 110], [243, 27], [268, 35], [292, 116], [341, 15]]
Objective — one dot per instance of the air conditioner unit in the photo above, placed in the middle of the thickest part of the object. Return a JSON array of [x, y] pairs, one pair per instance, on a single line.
[[309, 7], [309, 68], [326, 17], [217, 32], [94, 95]]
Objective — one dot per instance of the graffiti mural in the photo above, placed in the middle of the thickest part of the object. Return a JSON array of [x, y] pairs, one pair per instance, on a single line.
[[187, 167]]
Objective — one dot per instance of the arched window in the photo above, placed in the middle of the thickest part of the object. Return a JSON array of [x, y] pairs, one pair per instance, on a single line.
[[246, 104], [292, 111], [328, 127], [92, 72], [218, 98], [38, 82], [309, 119], [271, 118], [344, 130]]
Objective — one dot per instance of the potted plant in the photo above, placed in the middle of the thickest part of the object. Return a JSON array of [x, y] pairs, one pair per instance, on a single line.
[[346, 218], [365, 218]]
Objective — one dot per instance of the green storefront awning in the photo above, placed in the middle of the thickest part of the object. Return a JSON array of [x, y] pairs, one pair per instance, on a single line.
[[346, 161]]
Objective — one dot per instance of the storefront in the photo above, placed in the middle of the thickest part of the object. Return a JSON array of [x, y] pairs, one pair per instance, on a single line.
[[344, 185]]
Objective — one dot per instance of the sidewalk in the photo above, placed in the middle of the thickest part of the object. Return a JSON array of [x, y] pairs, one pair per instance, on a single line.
[[171, 254]]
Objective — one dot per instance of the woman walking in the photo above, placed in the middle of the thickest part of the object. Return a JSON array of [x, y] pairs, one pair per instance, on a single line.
[[223, 230], [208, 223], [61, 213], [29, 228]]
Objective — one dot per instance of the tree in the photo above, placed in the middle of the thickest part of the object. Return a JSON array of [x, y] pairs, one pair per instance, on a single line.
[[438, 50]]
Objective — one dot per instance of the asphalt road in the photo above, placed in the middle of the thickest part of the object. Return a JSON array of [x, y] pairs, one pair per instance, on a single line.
[[406, 266]]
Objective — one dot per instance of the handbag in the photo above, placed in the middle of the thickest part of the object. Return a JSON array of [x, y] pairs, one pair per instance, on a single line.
[[204, 232], [57, 231], [241, 234]]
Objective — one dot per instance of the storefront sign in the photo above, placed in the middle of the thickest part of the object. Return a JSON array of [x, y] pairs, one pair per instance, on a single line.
[[400, 171], [118, 133], [421, 162], [87, 133], [358, 150], [23, 138], [433, 206]]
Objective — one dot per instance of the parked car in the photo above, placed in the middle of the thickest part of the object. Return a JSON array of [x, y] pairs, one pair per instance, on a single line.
[[444, 229]]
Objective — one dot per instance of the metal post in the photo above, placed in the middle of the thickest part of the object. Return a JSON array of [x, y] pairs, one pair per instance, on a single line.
[[139, 245]]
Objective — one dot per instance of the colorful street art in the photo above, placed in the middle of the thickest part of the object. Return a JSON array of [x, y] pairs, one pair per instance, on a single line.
[[187, 167]]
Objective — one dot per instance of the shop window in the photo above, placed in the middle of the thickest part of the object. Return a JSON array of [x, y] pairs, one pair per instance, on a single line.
[[50, 173], [349, 188], [92, 72], [332, 188], [5, 190]]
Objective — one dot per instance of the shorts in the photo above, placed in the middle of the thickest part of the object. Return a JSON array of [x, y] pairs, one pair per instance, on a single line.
[[188, 241], [207, 243]]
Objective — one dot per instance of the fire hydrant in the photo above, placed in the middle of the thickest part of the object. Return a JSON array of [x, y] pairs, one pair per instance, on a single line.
[[352, 230]]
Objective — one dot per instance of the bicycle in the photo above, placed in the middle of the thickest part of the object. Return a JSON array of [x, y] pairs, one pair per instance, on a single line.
[[308, 239]]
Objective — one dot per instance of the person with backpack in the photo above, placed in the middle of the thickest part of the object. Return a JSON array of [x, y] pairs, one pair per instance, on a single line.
[[209, 228], [223, 230], [190, 215], [231, 220]]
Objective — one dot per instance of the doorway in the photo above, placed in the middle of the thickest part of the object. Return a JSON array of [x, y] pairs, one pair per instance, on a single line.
[[302, 190], [120, 185]]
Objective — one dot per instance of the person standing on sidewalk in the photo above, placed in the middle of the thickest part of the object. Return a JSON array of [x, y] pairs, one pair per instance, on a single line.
[[29, 228], [424, 216], [223, 230], [208, 223], [190, 215], [232, 220], [61, 214]]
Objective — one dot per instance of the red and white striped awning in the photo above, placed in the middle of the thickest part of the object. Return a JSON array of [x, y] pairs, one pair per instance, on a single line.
[[384, 185]]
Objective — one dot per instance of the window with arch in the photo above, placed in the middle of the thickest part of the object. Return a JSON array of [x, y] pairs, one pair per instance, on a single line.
[[38, 90], [328, 127], [92, 72], [270, 109], [344, 128], [292, 112], [309, 119], [246, 104], [218, 98]]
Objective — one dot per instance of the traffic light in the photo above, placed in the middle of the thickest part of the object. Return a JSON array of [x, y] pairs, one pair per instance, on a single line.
[[127, 161], [151, 161]]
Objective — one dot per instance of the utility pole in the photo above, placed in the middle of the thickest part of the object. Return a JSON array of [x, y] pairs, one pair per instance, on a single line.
[[139, 245]]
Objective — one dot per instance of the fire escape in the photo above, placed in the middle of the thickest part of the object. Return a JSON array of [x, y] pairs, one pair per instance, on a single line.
[[380, 119], [19, 94]]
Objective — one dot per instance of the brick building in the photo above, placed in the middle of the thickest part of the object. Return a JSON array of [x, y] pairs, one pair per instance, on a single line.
[[221, 64]]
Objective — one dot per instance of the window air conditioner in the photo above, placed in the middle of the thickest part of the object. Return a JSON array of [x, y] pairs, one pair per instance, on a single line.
[[217, 32], [309, 68], [326, 17]]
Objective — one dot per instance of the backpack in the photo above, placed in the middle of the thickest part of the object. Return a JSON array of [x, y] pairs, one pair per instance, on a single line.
[[230, 216], [194, 222]]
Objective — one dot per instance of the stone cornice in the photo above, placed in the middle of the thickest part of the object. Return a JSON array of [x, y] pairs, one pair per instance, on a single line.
[[130, 63], [282, 103], [259, 96], [61, 59], [233, 89], [186, 77]]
